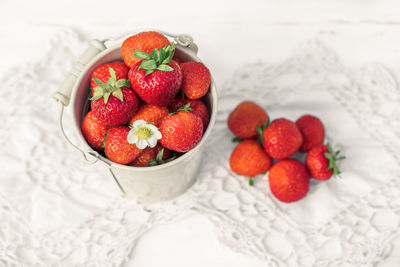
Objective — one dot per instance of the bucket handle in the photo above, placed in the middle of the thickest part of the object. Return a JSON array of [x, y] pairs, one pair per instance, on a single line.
[[184, 41], [91, 156], [94, 154], [63, 95], [64, 92]]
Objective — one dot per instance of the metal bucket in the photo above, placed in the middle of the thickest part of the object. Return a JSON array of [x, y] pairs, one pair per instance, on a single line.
[[145, 184]]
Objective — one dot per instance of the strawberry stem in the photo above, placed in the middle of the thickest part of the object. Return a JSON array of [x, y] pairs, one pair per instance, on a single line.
[[333, 157], [236, 139], [159, 159], [104, 139], [251, 181], [186, 108], [260, 130]]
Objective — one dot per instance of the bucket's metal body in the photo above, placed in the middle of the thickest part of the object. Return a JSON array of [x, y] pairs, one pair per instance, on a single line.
[[146, 184]]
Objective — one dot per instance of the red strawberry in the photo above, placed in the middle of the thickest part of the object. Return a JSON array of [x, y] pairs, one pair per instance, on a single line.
[[152, 156], [117, 148], [150, 114], [321, 162], [245, 118], [312, 130], [181, 131], [289, 180], [196, 79], [157, 78], [103, 74], [113, 102], [177, 60], [249, 159], [197, 107], [116, 112], [94, 130], [282, 139], [145, 41]]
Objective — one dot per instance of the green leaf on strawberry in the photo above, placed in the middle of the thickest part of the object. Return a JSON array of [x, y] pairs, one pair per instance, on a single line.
[[148, 64], [162, 54], [186, 108], [157, 60], [106, 96], [160, 155], [98, 93], [112, 73], [141, 54], [165, 68], [251, 181], [237, 139], [260, 131], [155, 54], [112, 87], [159, 159], [123, 83], [332, 157], [118, 94], [98, 81]]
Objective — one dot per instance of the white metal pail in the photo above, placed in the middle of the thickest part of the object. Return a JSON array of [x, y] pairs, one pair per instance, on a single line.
[[146, 184]]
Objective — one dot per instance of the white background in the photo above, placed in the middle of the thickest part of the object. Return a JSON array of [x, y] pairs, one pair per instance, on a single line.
[[228, 33]]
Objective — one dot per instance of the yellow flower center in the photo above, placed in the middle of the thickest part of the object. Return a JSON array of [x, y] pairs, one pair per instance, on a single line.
[[144, 133]]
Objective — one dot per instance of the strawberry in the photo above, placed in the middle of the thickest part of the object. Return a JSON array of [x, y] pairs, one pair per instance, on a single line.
[[245, 118], [289, 180], [117, 148], [150, 114], [282, 139], [152, 156], [321, 162], [196, 79], [94, 130], [312, 130], [177, 60], [157, 78], [249, 159], [197, 107], [145, 41], [181, 131], [113, 103], [103, 74]]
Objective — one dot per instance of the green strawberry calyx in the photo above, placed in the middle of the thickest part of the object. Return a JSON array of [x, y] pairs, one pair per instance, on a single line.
[[157, 60], [104, 139], [251, 181], [237, 139], [260, 130], [159, 159], [333, 157], [186, 108], [112, 87]]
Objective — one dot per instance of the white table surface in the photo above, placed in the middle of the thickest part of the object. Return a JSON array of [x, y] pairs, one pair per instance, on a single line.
[[228, 33]]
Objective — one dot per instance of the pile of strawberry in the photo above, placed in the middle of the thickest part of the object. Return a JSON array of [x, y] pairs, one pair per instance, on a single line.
[[148, 106], [268, 147]]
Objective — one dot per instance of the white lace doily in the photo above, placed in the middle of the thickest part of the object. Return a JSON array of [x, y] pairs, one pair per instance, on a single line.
[[57, 211]]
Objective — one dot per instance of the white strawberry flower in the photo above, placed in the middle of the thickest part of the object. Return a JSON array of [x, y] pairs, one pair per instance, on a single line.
[[143, 134]]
